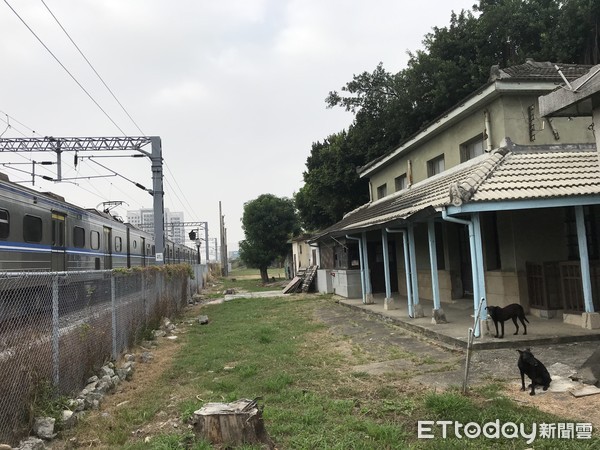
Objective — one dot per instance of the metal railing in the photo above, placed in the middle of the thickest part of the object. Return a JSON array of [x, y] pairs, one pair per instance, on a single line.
[[59, 328]]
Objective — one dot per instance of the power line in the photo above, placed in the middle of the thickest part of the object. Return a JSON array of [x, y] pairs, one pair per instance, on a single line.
[[65, 69], [92, 67]]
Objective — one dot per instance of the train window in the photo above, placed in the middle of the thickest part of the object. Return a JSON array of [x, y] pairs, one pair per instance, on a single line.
[[134, 244], [118, 244], [78, 237], [32, 229], [4, 224], [153, 250], [95, 240]]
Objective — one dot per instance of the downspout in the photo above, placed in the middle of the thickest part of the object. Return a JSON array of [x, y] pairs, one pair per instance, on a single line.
[[362, 266], [406, 270], [488, 130], [474, 266]]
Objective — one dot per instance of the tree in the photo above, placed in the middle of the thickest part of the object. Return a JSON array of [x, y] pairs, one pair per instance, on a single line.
[[331, 184], [268, 223]]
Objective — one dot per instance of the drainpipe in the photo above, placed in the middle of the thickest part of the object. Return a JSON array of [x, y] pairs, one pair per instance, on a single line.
[[488, 130], [407, 270], [362, 266], [476, 264]]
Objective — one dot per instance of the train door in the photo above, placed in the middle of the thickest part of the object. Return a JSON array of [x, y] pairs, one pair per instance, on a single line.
[[107, 248], [58, 262]]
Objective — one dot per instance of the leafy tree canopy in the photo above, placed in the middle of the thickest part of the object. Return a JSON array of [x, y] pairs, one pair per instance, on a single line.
[[268, 223], [388, 108]]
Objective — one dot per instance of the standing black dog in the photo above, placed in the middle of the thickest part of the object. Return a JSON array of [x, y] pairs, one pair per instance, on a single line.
[[534, 369], [512, 311]]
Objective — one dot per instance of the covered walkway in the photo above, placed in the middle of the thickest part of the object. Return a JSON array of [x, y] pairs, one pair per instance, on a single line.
[[459, 314]]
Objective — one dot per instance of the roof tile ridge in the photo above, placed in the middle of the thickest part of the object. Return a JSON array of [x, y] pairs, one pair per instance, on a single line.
[[462, 192]]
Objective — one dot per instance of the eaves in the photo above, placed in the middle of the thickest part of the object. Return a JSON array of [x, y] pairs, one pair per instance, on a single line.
[[470, 104]]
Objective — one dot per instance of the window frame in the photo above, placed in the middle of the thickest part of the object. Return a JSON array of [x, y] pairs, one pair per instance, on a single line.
[[381, 191], [433, 165], [26, 233], [78, 237], [401, 180]]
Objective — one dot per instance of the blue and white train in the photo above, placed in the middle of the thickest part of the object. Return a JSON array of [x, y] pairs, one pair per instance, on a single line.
[[42, 232]]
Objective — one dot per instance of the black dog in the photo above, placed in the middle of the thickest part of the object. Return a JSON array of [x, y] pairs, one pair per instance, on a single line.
[[513, 312], [534, 369]]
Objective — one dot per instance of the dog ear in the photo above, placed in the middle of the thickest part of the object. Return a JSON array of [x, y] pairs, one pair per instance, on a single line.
[[520, 351]]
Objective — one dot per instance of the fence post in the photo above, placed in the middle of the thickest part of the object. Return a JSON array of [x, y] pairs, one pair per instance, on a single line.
[[113, 303], [55, 332]]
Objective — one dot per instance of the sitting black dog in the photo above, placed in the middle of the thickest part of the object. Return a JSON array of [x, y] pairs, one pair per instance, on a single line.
[[512, 311], [534, 369]]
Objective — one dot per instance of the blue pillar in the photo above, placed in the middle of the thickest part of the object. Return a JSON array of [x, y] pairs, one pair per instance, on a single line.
[[386, 264], [418, 311], [584, 259], [435, 285], [368, 288], [409, 292], [476, 220]]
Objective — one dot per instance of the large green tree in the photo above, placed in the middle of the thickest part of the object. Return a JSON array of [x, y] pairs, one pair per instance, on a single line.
[[268, 223], [455, 60]]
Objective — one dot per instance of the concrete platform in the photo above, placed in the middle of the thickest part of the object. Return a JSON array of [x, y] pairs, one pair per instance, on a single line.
[[459, 316]]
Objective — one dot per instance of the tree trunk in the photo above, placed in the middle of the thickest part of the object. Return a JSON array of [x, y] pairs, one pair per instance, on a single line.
[[235, 423], [264, 275]]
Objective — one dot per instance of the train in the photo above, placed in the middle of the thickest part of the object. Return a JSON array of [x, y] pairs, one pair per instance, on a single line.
[[40, 231]]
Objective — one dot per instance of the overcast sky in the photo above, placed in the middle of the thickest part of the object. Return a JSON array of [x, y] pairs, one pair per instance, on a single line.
[[234, 88]]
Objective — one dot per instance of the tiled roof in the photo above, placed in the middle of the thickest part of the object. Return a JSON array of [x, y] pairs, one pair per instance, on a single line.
[[509, 173], [534, 70], [531, 174]]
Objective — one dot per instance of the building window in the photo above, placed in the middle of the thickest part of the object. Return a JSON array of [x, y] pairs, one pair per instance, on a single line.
[[95, 240], [400, 182], [471, 149], [78, 237], [435, 166], [381, 191], [32, 229]]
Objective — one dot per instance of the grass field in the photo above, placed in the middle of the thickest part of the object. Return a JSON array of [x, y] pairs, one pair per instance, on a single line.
[[273, 349]]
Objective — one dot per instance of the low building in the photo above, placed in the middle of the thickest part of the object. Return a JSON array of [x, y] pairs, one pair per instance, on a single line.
[[489, 204]]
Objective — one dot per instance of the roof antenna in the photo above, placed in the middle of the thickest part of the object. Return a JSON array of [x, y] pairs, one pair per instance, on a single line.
[[562, 75]]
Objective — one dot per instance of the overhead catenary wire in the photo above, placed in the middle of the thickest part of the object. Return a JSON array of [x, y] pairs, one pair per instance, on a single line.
[[91, 97], [64, 67], [92, 67]]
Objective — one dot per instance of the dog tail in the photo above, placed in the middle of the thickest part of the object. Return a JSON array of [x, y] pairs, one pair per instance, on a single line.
[[525, 318]]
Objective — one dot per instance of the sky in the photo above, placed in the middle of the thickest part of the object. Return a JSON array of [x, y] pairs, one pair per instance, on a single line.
[[234, 88]]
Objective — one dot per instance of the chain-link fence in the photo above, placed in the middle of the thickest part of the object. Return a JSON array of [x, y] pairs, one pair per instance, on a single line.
[[58, 328]]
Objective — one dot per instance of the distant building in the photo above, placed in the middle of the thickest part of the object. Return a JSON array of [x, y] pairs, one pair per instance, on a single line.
[[144, 220]]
